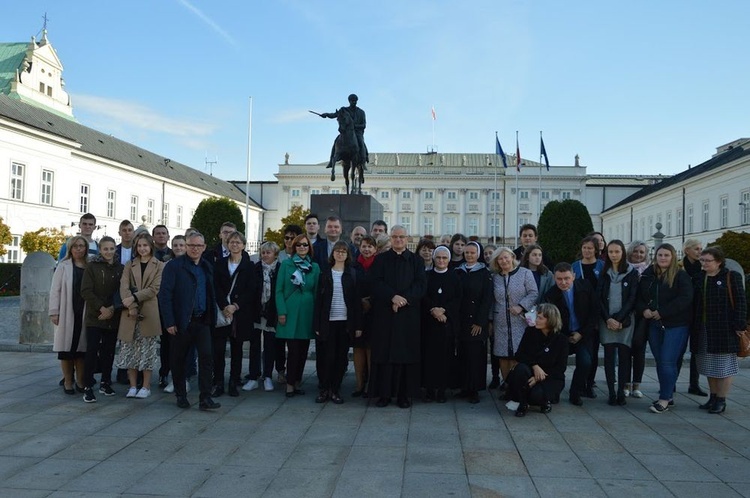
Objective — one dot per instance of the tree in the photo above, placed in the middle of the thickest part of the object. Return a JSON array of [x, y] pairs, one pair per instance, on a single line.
[[211, 213], [562, 225], [47, 240], [736, 246], [296, 216], [5, 237]]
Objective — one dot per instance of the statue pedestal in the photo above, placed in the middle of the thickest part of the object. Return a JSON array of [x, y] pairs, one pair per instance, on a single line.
[[352, 209]]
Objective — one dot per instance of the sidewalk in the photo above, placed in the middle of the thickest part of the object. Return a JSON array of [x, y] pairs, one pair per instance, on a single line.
[[264, 444]]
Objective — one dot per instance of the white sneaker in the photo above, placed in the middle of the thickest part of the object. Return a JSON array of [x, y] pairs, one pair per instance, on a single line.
[[250, 385], [636, 393], [132, 392], [169, 388], [143, 393], [268, 384]]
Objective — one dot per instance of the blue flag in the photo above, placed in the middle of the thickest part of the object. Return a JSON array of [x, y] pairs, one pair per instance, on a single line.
[[499, 151], [543, 153]]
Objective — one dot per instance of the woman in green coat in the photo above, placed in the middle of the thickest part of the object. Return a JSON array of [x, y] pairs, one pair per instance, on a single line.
[[296, 287]]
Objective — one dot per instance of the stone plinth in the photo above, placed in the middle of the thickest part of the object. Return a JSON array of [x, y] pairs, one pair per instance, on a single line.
[[36, 279], [352, 209]]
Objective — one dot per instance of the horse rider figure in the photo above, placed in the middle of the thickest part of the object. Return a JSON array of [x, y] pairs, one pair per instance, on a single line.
[[360, 123]]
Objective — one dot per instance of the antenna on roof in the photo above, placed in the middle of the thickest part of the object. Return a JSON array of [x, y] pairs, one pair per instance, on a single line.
[[210, 164]]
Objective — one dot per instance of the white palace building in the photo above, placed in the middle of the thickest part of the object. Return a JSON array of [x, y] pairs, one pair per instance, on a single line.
[[437, 193], [53, 169]]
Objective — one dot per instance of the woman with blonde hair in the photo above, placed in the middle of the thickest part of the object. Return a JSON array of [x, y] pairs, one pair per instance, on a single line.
[[67, 309], [140, 322], [665, 296], [515, 293], [539, 377]]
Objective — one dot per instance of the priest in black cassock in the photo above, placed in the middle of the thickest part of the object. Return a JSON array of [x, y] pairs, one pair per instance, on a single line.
[[399, 283]]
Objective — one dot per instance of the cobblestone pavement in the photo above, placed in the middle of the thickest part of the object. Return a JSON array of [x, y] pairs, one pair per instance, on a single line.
[[264, 444]]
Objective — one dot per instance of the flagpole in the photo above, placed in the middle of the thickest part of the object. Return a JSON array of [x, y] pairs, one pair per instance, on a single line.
[[433, 129], [249, 161], [494, 197], [539, 215], [518, 169]]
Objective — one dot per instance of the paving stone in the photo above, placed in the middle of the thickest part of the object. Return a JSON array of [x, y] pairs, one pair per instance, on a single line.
[[493, 462], [604, 465], [368, 484], [110, 476], [376, 459], [541, 463], [40, 446], [434, 460], [265, 455], [315, 456], [715, 489], [171, 479], [675, 468], [294, 483], [49, 474], [554, 487], [94, 447], [628, 488], [245, 481], [488, 486], [429, 485]]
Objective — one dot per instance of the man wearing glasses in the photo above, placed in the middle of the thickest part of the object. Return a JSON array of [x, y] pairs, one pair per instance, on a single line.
[[86, 226], [188, 310], [399, 283]]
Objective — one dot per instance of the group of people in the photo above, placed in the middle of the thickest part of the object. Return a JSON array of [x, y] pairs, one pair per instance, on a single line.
[[419, 323]]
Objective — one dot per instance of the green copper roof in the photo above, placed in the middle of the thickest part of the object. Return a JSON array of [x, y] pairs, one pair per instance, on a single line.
[[11, 57]]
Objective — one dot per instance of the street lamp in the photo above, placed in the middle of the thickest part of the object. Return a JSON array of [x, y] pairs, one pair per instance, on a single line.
[[658, 236]]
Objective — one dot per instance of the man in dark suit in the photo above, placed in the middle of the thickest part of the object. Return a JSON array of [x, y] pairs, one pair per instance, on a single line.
[[323, 247], [577, 305], [188, 309]]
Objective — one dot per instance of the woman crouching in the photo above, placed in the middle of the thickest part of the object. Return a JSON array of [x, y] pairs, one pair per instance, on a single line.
[[542, 356]]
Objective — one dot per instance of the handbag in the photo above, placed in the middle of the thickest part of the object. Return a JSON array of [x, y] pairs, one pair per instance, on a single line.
[[744, 336], [221, 319]]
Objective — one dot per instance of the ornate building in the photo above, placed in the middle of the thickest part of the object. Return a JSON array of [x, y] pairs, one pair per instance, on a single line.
[[53, 169]]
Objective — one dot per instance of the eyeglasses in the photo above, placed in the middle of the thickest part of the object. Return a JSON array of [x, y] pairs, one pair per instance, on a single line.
[[302, 244], [290, 237], [341, 251], [704, 260], [196, 246]]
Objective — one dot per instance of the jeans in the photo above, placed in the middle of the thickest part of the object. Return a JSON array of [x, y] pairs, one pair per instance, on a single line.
[[197, 336], [666, 345], [582, 350]]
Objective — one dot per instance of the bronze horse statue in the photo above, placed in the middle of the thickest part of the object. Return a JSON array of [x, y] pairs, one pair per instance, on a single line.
[[346, 149]]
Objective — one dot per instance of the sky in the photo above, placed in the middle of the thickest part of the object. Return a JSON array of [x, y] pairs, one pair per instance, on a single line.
[[637, 87]]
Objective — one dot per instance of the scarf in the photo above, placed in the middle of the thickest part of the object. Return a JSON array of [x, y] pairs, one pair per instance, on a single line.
[[304, 266], [267, 275], [475, 267], [366, 263]]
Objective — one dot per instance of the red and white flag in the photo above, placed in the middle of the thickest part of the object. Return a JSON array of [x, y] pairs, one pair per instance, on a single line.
[[434, 116]]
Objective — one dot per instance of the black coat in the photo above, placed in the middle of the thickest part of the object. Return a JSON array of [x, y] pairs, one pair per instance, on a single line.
[[629, 294], [352, 299], [584, 302], [717, 333], [243, 293], [395, 336], [269, 312], [476, 303], [672, 303], [364, 287], [550, 353]]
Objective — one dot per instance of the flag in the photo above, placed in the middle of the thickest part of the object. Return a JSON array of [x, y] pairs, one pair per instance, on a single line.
[[518, 156], [543, 152], [499, 151], [434, 116]]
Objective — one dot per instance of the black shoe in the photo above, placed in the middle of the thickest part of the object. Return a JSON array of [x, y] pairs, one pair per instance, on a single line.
[[69, 391], [62, 382], [659, 408], [217, 391], [708, 404], [612, 401], [299, 392], [405, 403], [697, 391], [575, 399], [440, 398], [495, 383], [720, 405], [209, 404], [182, 402], [382, 402], [163, 382], [88, 395], [546, 407], [233, 392], [521, 410], [106, 389], [463, 393], [621, 398], [337, 399], [358, 393], [589, 393], [290, 394], [322, 397]]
